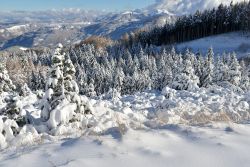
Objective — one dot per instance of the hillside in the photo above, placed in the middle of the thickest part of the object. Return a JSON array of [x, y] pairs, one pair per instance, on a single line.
[[238, 42], [220, 20]]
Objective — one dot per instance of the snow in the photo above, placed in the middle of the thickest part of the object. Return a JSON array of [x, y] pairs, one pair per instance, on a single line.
[[169, 146], [62, 114], [23, 48], [229, 42], [17, 28]]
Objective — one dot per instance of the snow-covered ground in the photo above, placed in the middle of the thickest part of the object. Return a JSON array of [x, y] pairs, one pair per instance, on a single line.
[[206, 127], [229, 42], [172, 145]]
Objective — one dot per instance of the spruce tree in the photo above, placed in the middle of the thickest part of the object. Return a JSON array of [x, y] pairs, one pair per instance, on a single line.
[[6, 84], [62, 91], [234, 70], [118, 79], [207, 72], [245, 81], [186, 79], [55, 84]]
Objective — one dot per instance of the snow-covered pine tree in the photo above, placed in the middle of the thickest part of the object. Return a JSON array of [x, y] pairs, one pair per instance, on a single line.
[[41, 81], [12, 109], [176, 65], [62, 101], [153, 73], [6, 84], [91, 89], [186, 79], [55, 84], [245, 81], [25, 90], [33, 81], [207, 72], [37, 81], [145, 80], [129, 64], [162, 72], [126, 85], [71, 86], [81, 79], [220, 72], [118, 79], [198, 66], [234, 70]]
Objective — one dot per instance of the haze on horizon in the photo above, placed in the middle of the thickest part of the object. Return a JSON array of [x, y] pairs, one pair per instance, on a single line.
[[104, 5]]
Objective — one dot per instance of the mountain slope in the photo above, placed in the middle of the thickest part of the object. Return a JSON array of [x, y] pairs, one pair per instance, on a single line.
[[230, 42]]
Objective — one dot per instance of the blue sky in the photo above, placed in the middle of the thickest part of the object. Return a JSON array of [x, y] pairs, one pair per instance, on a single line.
[[109, 5]]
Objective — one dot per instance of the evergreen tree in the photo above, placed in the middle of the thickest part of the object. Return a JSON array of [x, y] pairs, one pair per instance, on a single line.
[[55, 84], [186, 79], [62, 92], [33, 81], [245, 81], [234, 70], [91, 89], [6, 84], [41, 81], [221, 74], [198, 66], [118, 79], [25, 90], [207, 72]]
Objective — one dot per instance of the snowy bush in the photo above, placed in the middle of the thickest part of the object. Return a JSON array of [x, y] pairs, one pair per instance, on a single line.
[[62, 114]]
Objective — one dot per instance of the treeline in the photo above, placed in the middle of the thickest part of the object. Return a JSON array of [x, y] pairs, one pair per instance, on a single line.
[[127, 71], [235, 17]]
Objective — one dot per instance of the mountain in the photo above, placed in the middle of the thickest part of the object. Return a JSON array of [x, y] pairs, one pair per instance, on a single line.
[[28, 29], [43, 28], [116, 25]]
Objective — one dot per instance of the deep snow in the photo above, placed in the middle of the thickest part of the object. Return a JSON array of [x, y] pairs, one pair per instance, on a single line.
[[206, 127], [174, 145]]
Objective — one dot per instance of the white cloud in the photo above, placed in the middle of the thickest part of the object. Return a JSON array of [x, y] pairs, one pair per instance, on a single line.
[[187, 6]]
